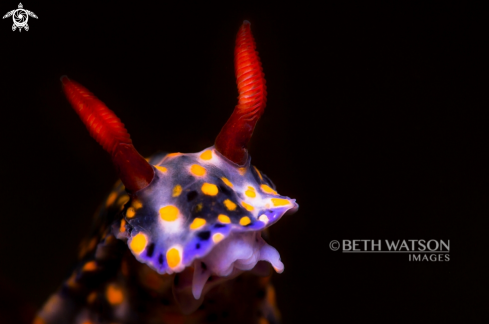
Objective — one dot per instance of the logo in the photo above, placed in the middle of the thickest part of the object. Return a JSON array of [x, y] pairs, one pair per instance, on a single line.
[[20, 17], [417, 250]]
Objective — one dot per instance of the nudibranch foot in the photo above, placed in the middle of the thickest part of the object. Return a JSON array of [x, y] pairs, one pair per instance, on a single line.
[[237, 253]]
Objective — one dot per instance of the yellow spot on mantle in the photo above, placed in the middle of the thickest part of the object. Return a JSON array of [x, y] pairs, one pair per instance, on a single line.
[[169, 213], [209, 189], [268, 190], [161, 168], [173, 257], [250, 192], [177, 190], [216, 238], [130, 212], [206, 155], [242, 171], [244, 221], [223, 219], [197, 223], [90, 266], [280, 202], [229, 204], [173, 154], [114, 295], [227, 182], [197, 170], [138, 243], [248, 207]]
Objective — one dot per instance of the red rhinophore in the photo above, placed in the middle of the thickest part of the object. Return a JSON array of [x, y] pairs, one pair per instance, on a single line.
[[232, 141], [108, 130], [103, 125]]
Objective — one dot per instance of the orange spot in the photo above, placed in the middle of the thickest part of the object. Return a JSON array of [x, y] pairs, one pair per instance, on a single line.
[[268, 190], [248, 207], [259, 174], [138, 243], [206, 155], [174, 154], [173, 257], [122, 229], [161, 168], [197, 223], [263, 320], [229, 204], [91, 297], [82, 252], [227, 182], [197, 170], [90, 266], [271, 295], [224, 219], [38, 320], [110, 239], [169, 213], [103, 231], [216, 238], [242, 171], [130, 212], [92, 244], [209, 189], [136, 204], [244, 221], [177, 190], [122, 200], [114, 295], [71, 282], [111, 199], [250, 192], [280, 202]]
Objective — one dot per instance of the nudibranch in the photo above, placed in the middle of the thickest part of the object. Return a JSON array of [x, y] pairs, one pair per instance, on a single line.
[[204, 210]]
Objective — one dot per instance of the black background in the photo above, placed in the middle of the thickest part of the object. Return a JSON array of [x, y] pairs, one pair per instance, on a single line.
[[376, 123]]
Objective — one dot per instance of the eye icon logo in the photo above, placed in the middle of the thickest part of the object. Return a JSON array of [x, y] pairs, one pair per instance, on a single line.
[[20, 17]]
